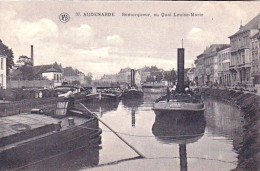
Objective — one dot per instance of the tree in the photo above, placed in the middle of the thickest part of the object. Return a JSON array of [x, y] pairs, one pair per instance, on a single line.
[[170, 76], [10, 56], [159, 76], [150, 79], [89, 77], [24, 69], [76, 82]]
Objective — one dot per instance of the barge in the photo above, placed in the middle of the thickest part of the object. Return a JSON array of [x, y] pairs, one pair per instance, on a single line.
[[29, 137], [105, 95], [179, 102], [133, 91]]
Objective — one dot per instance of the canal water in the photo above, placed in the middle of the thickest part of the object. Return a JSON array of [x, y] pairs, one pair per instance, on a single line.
[[207, 141]]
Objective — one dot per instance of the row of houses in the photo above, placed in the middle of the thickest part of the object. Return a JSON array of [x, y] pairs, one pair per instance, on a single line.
[[59, 75], [55, 73], [124, 76], [237, 63]]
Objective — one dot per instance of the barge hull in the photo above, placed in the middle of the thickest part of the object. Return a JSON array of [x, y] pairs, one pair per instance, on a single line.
[[50, 144]]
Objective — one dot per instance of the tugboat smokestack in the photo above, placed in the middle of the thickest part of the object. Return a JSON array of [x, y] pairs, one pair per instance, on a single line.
[[132, 77], [180, 85]]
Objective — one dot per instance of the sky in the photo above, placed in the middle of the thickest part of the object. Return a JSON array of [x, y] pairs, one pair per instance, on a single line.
[[104, 45]]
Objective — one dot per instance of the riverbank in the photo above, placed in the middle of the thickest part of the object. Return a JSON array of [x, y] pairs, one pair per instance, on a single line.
[[249, 103]]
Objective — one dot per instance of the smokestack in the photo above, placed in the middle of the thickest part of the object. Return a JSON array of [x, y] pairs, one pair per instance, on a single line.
[[180, 84], [32, 61], [132, 77]]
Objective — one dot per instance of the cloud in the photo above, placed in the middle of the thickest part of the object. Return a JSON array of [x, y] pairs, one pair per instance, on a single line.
[[201, 37], [114, 40], [79, 36], [35, 32]]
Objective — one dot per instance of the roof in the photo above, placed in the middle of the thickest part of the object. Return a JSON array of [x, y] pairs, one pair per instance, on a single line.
[[256, 35], [69, 71], [253, 24], [47, 68], [125, 70], [214, 48]]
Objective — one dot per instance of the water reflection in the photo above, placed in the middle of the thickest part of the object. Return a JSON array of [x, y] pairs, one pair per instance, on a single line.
[[102, 108], [179, 128], [133, 117], [223, 119], [132, 103]]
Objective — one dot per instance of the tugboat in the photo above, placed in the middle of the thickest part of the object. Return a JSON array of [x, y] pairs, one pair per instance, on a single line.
[[30, 137], [133, 91], [182, 99]]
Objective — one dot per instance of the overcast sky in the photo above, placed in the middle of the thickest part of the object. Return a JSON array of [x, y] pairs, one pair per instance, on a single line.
[[103, 45]]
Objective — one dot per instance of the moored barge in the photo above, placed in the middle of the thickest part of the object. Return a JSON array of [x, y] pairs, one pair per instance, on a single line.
[[27, 138], [105, 95], [133, 91]]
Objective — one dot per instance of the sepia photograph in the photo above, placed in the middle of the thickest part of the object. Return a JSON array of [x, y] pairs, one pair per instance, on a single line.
[[129, 85]]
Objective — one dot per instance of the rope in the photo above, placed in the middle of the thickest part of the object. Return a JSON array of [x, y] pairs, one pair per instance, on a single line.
[[132, 147], [145, 136], [201, 158]]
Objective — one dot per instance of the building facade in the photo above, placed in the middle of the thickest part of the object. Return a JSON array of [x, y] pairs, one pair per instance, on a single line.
[[191, 74], [255, 54], [200, 70], [241, 62], [206, 72], [124, 76], [3, 71], [52, 72], [223, 67], [112, 78], [71, 75]]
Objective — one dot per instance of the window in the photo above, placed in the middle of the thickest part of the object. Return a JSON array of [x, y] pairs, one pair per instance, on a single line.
[[2, 80]]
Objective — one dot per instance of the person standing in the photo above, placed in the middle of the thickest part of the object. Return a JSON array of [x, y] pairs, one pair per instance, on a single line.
[[168, 94], [70, 97]]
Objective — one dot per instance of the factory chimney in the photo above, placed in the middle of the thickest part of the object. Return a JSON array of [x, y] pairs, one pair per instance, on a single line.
[[180, 85], [32, 60]]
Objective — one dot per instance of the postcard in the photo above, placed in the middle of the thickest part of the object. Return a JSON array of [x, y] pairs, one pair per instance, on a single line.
[[129, 85]]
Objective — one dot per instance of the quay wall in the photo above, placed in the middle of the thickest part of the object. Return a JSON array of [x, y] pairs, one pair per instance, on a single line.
[[249, 103], [30, 83], [47, 104]]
